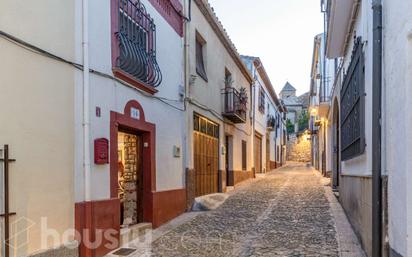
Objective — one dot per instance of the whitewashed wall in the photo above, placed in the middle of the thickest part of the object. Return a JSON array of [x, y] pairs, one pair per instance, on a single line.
[[261, 120], [37, 113], [113, 96], [208, 94], [397, 103]]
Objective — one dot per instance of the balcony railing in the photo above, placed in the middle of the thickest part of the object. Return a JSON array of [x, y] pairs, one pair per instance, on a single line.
[[234, 108], [271, 123]]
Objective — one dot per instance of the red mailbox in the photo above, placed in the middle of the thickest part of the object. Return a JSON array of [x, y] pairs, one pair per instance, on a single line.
[[101, 151]]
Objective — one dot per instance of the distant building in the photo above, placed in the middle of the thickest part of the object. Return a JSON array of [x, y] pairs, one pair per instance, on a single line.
[[294, 104]]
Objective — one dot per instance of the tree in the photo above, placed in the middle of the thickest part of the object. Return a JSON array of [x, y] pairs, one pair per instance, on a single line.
[[290, 127], [303, 121]]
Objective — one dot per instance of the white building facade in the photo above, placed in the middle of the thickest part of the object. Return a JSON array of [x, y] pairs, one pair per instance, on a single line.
[[219, 141], [372, 85], [138, 110], [268, 116], [321, 89], [104, 118]]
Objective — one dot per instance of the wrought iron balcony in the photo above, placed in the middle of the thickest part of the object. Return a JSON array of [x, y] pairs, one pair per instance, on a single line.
[[234, 108], [271, 123], [136, 39]]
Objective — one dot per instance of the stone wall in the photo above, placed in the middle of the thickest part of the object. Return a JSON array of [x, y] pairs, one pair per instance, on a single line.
[[298, 148], [130, 180]]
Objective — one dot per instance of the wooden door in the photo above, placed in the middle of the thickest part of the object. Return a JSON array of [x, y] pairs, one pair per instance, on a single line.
[[268, 152], [227, 160], [206, 157], [258, 154]]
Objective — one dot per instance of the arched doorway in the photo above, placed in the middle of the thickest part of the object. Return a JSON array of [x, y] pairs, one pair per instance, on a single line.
[[336, 145]]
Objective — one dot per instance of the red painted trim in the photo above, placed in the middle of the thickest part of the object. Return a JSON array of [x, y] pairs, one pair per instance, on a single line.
[[168, 205], [172, 12], [148, 132], [97, 217], [273, 165], [118, 73], [134, 104]]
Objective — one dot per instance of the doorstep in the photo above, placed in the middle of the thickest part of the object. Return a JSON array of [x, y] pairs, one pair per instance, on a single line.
[[229, 189], [260, 175], [130, 233]]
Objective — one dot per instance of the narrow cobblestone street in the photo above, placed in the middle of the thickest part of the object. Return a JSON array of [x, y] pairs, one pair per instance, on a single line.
[[285, 213]]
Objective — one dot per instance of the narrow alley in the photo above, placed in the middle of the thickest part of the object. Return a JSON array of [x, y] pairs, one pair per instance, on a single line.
[[288, 212], [205, 128]]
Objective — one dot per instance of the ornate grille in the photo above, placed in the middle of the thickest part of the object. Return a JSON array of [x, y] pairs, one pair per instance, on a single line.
[[137, 42], [353, 105]]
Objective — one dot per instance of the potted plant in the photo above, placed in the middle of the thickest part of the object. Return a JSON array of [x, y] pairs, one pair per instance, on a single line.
[[243, 96], [228, 81]]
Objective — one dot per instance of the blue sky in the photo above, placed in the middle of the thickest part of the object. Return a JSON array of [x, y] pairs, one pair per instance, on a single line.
[[280, 32]]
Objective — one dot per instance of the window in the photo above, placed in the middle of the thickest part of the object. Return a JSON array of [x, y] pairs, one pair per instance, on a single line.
[[205, 126], [200, 53], [228, 79], [134, 45], [353, 105], [244, 155], [261, 102]]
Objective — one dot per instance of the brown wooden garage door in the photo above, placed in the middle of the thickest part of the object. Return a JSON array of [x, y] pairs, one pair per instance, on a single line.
[[258, 153], [206, 155]]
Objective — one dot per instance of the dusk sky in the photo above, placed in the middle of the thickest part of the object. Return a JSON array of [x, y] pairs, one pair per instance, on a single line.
[[280, 32]]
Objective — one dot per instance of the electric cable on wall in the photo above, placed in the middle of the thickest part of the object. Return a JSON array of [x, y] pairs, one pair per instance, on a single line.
[[37, 50]]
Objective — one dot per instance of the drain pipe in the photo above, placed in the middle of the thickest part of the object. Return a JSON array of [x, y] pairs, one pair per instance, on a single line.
[[376, 130], [86, 103], [253, 103]]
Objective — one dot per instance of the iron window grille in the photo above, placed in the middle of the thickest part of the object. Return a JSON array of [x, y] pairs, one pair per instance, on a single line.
[[136, 36], [353, 105]]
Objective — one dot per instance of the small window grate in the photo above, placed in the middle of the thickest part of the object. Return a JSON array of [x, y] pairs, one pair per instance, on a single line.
[[124, 251]]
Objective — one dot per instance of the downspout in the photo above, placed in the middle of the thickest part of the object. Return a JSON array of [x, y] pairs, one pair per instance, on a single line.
[[376, 130], [86, 103], [186, 135], [324, 169], [253, 102]]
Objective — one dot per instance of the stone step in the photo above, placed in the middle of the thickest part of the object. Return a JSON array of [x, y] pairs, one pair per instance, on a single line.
[[130, 233]]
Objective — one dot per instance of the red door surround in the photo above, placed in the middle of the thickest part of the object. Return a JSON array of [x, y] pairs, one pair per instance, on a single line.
[[158, 207], [147, 131]]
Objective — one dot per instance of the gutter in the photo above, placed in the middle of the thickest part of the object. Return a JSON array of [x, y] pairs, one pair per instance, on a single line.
[[86, 103], [187, 162], [376, 130], [253, 102]]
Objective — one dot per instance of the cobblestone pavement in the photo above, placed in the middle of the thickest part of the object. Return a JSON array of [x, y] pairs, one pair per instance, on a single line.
[[286, 213]]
